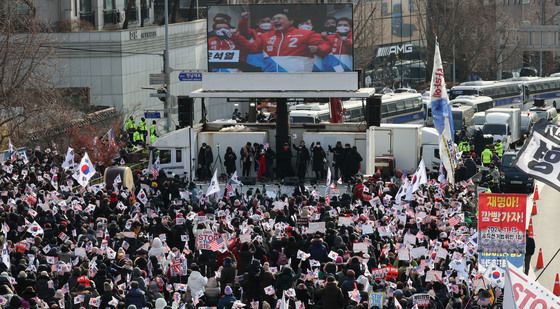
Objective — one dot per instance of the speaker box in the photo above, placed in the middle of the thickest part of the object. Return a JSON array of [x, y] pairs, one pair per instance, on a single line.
[[185, 111], [373, 111], [248, 181], [291, 181]]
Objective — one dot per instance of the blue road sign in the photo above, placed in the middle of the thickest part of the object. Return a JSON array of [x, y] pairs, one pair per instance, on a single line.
[[190, 76], [152, 115]]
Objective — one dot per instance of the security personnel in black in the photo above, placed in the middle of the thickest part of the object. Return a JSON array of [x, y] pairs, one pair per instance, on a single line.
[[302, 158]]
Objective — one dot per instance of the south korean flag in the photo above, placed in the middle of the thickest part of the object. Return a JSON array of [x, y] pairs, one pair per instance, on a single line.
[[496, 275]]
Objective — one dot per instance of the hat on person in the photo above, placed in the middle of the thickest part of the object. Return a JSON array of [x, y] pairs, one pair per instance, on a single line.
[[160, 303], [228, 290], [84, 280]]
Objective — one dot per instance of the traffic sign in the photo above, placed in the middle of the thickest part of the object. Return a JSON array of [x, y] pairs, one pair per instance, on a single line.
[[190, 76], [152, 114], [157, 79]]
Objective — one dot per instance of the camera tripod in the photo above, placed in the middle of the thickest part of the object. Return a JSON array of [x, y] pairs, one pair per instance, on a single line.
[[218, 160]]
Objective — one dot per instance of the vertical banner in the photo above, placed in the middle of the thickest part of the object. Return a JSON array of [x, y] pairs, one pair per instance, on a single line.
[[501, 228]]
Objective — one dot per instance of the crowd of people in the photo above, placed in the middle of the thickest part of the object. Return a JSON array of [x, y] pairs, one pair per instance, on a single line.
[[261, 161], [165, 244]]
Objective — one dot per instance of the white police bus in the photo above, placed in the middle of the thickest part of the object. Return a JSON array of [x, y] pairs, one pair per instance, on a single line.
[[403, 107], [504, 93]]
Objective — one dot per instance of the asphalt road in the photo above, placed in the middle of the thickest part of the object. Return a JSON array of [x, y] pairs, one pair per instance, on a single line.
[[546, 227]]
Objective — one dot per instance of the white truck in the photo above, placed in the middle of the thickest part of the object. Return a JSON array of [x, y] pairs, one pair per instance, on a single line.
[[175, 153], [503, 124], [177, 157], [401, 146]]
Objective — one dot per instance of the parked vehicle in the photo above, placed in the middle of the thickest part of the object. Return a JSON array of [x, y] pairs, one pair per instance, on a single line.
[[512, 178], [503, 124]]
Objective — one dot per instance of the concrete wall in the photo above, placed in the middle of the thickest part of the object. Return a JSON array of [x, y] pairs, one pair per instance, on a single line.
[[115, 65]]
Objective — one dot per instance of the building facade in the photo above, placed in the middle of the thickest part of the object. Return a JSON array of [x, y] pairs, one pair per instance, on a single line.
[[528, 35]]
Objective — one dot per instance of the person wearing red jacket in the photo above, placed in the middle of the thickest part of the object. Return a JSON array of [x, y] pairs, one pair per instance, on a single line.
[[340, 56], [254, 59], [224, 38], [288, 49]]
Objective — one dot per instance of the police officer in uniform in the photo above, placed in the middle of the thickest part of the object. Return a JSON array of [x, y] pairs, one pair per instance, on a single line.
[[153, 132], [142, 128], [464, 147], [499, 149], [486, 156], [130, 127]]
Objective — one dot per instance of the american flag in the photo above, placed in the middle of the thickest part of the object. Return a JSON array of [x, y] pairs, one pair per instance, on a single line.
[[217, 244]]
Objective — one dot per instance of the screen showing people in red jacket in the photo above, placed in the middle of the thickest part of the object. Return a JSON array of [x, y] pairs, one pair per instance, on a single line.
[[340, 57], [282, 38], [225, 51]]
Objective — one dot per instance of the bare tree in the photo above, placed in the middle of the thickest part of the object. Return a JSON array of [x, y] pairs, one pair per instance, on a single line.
[[468, 34], [28, 100]]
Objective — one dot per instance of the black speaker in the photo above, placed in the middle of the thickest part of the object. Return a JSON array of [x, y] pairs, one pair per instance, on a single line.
[[373, 111], [248, 181], [291, 181], [185, 111]]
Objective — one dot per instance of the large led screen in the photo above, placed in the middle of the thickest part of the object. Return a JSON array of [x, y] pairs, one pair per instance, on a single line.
[[291, 38]]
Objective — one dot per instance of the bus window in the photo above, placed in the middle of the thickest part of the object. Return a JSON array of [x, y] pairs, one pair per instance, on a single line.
[[324, 117], [178, 155], [384, 109], [392, 107], [302, 119], [164, 156], [400, 106]]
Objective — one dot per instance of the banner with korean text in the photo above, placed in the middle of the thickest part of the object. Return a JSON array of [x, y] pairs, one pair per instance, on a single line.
[[501, 228]]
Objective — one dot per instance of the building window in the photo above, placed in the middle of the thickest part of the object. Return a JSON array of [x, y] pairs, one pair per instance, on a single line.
[[109, 5]]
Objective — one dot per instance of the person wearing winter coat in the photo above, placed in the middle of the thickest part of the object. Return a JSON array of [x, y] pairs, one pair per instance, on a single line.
[[331, 295], [284, 281], [135, 296], [319, 158], [227, 275], [318, 250], [226, 302], [196, 282], [229, 161], [137, 276], [302, 158]]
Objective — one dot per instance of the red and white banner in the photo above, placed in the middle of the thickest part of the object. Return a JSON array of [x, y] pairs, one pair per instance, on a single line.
[[501, 228], [522, 292]]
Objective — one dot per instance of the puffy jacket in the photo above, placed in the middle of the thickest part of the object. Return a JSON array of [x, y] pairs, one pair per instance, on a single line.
[[197, 283], [318, 250], [332, 296], [135, 297]]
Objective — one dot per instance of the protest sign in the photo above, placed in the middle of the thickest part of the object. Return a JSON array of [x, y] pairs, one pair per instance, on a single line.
[[208, 240], [501, 228], [522, 292], [316, 227], [421, 300]]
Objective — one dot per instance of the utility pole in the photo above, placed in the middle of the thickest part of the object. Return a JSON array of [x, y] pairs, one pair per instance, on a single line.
[[543, 4], [167, 71]]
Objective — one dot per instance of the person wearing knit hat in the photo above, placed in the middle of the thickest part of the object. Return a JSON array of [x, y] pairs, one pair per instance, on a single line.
[[228, 299]]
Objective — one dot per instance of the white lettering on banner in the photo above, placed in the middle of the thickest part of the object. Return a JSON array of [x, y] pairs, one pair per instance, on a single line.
[[223, 56], [539, 158], [394, 49]]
